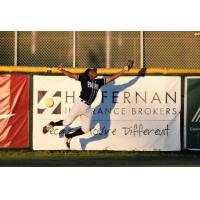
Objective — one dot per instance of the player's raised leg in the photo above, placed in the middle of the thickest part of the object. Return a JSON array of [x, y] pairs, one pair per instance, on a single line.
[[85, 122]]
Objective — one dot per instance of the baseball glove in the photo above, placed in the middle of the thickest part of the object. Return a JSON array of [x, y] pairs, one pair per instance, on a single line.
[[130, 64]]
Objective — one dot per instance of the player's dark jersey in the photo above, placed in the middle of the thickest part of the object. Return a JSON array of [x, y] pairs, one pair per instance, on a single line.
[[89, 88]]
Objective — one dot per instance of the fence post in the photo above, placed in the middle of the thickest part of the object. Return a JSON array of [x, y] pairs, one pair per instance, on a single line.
[[74, 49], [141, 49], [15, 48], [108, 38]]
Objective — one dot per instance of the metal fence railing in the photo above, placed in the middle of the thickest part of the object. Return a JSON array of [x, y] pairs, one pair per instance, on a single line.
[[101, 49]]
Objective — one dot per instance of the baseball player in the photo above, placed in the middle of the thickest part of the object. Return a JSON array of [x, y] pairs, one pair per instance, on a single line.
[[90, 85]]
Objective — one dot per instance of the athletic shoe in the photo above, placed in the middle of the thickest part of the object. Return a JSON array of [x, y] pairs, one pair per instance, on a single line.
[[68, 140], [47, 127]]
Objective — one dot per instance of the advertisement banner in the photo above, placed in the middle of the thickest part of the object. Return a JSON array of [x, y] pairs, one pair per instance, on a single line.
[[14, 111], [192, 112], [130, 113]]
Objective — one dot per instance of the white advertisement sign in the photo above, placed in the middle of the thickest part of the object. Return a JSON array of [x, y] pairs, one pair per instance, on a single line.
[[130, 113]]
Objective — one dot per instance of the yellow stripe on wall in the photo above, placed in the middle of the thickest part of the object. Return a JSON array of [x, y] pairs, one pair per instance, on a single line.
[[53, 70]]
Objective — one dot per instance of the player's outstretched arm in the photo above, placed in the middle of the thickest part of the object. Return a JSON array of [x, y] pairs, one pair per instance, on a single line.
[[114, 76], [67, 73]]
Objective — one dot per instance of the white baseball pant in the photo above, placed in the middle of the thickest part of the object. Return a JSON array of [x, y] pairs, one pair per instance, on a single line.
[[84, 111]]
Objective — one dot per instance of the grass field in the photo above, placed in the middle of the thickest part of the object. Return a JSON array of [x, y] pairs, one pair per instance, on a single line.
[[97, 158]]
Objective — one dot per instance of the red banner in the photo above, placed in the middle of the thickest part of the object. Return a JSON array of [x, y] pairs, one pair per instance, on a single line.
[[14, 111]]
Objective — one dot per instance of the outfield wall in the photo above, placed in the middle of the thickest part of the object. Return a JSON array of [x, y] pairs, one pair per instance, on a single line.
[[136, 113]]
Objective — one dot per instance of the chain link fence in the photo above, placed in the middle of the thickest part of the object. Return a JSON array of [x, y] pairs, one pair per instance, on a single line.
[[172, 49], [45, 48], [107, 49], [7, 41], [101, 49]]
